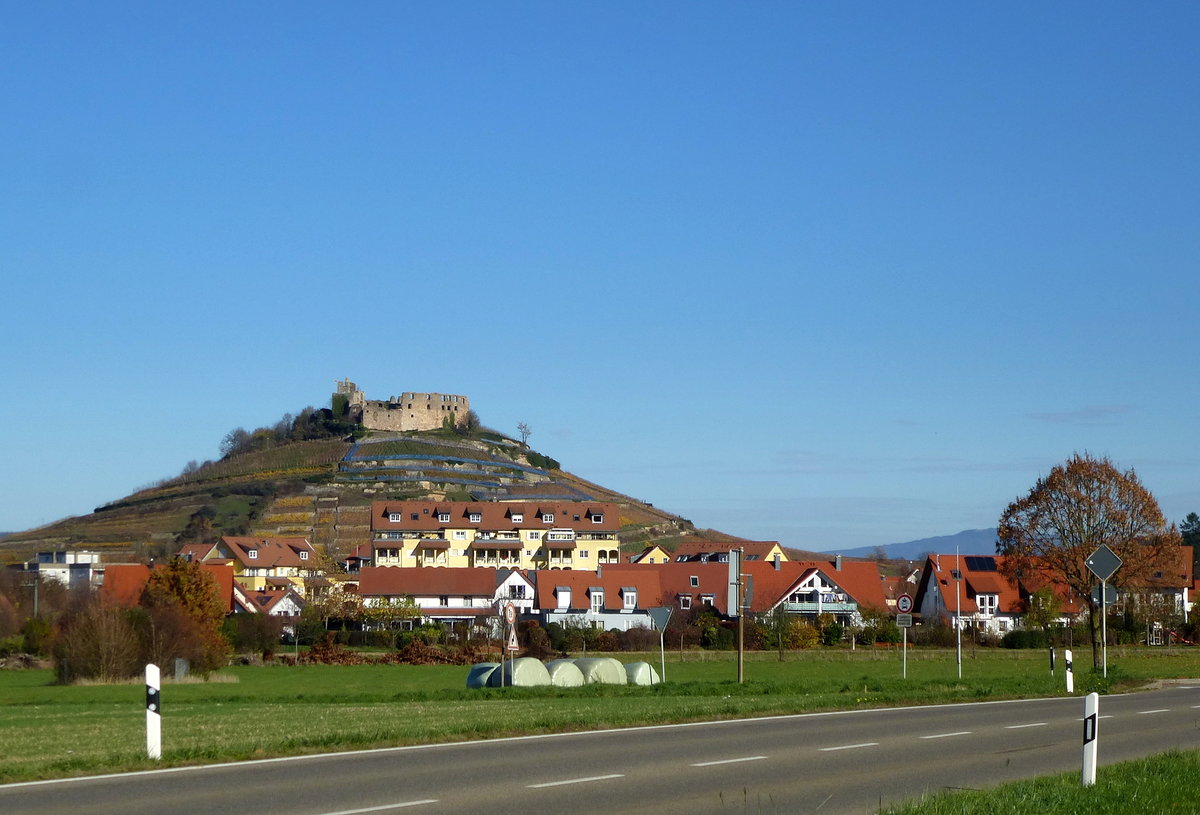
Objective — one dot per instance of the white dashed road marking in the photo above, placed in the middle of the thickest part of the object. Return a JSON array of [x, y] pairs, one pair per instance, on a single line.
[[728, 761], [573, 781]]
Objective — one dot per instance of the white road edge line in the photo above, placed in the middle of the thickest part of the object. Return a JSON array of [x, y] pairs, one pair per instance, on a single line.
[[948, 735], [728, 761], [1019, 726], [573, 781], [850, 746], [383, 808], [1160, 710]]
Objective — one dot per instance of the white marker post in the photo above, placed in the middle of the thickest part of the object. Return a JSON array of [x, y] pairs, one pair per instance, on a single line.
[[1091, 721], [153, 713], [1068, 671]]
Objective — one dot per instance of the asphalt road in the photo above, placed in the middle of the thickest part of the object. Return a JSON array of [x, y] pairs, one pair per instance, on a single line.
[[833, 763]]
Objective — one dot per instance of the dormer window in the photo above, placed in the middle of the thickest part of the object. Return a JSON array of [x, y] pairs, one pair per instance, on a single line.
[[443, 517], [475, 517], [597, 596], [518, 517], [304, 555], [252, 554], [630, 598], [395, 517], [598, 518], [547, 517]]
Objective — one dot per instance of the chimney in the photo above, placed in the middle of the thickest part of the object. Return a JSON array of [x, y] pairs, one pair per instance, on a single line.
[[837, 563], [778, 567]]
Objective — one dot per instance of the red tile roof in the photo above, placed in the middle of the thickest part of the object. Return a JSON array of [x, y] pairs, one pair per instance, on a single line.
[[612, 580], [396, 581], [124, 582], [494, 516], [271, 552]]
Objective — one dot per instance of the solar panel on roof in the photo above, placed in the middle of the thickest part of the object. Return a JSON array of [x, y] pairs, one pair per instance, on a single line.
[[981, 563]]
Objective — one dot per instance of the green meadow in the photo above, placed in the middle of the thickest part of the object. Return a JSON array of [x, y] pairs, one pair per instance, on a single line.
[[50, 731]]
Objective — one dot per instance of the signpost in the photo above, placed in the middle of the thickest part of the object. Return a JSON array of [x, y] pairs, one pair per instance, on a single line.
[[1103, 563], [661, 616], [904, 620], [510, 617]]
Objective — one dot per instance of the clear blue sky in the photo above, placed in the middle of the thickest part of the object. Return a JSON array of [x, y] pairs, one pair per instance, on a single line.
[[830, 274]]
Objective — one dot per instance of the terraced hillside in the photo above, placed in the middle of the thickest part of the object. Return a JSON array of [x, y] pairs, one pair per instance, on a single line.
[[322, 490]]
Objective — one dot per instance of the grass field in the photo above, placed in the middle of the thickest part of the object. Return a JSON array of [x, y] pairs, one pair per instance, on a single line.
[[251, 712]]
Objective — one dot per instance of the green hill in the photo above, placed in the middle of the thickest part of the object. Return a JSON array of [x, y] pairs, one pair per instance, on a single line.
[[323, 490]]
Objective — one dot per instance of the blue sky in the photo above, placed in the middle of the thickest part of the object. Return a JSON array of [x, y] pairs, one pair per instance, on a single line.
[[830, 274]]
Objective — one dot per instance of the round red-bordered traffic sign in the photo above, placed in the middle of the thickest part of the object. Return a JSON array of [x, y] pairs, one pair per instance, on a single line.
[[904, 603]]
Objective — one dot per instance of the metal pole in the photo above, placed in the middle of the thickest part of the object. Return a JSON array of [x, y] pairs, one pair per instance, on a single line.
[[904, 651], [741, 610], [1104, 624], [957, 612]]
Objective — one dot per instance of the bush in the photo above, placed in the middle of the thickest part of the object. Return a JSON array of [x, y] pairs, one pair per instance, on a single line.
[[1025, 638]]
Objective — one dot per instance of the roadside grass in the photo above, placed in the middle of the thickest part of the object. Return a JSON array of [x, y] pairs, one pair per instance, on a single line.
[[49, 731], [1150, 786]]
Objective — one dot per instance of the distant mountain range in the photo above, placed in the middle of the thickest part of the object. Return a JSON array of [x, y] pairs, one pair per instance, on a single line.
[[967, 542]]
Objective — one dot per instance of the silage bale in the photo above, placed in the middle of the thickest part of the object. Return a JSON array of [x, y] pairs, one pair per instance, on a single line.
[[479, 673], [602, 670], [641, 673], [523, 672], [564, 673]]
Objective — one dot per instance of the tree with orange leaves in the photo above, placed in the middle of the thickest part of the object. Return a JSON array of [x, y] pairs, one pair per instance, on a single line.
[[1080, 505]]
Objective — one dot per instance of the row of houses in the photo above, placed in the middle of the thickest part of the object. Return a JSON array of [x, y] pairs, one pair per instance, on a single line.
[[622, 596]]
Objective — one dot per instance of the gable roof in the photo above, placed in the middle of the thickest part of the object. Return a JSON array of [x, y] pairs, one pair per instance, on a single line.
[[269, 552], [700, 549]]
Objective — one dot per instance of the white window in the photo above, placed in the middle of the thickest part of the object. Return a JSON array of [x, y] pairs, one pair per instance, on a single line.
[[304, 555], [987, 603], [597, 601], [630, 599], [535, 536], [252, 554], [395, 517], [547, 517], [685, 601], [564, 597], [583, 553], [460, 535], [518, 518], [695, 581], [475, 518], [597, 519], [443, 517]]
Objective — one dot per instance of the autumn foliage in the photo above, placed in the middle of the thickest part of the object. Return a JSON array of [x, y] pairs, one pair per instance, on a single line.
[[1080, 505]]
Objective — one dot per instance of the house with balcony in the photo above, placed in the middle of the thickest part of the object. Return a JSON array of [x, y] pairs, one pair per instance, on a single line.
[[502, 535], [447, 596], [609, 599], [969, 591], [262, 563], [839, 587], [705, 551]]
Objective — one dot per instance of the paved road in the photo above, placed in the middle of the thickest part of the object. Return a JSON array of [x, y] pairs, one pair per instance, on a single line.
[[829, 764]]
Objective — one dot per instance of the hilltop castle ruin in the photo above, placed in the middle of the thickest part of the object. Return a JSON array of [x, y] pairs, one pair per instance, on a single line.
[[409, 411]]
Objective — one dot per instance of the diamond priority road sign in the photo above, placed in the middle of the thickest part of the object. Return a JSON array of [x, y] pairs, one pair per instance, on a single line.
[[1103, 562]]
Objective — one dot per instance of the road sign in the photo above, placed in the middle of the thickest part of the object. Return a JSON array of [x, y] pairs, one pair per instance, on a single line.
[[512, 640], [1110, 595], [1103, 562], [904, 620], [904, 603], [510, 614]]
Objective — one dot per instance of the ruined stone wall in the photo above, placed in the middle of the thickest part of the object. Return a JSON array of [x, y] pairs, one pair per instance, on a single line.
[[409, 411]]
